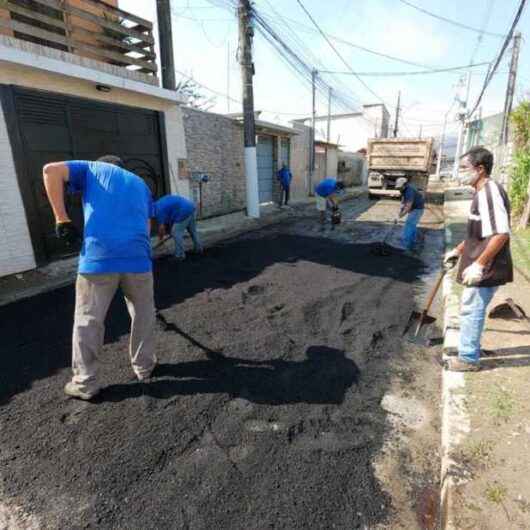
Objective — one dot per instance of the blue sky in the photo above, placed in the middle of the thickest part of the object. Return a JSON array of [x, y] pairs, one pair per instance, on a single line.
[[203, 35]]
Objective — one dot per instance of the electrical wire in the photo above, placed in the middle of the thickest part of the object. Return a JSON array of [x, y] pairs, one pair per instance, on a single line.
[[303, 27], [450, 21], [332, 46], [500, 55], [396, 74]]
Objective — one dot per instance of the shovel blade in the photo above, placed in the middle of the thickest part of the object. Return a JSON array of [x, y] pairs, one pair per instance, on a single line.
[[422, 335]]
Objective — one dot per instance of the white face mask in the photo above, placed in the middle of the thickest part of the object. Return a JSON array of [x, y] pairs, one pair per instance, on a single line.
[[469, 177]]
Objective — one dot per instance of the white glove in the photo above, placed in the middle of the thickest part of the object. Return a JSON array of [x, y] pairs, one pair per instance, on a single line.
[[473, 274], [451, 256]]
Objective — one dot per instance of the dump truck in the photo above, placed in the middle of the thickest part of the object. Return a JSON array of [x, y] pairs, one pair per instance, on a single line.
[[391, 158]]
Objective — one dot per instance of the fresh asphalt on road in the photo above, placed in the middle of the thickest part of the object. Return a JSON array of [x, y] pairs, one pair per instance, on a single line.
[[275, 423]]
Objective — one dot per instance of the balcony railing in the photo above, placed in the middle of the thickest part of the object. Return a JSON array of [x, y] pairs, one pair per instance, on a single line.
[[89, 28]]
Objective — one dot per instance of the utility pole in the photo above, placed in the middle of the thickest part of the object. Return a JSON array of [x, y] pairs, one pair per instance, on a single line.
[[228, 78], [462, 116], [421, 131], [328, 136], [246, 34], [167, 61], [396, 124], [313, 116], [510, 89]]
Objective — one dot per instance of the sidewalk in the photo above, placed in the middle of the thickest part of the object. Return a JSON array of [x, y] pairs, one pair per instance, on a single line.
[[486, 415], [61, 273]]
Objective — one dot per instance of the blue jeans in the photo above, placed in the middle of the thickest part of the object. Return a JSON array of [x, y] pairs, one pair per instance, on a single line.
[[410, 229], [177, 231], [474, 303]]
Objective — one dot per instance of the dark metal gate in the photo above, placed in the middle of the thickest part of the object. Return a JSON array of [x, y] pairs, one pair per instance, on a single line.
[[48, 127]]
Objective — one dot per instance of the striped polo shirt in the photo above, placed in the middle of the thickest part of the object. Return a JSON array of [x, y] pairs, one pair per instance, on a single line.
[[489, 215]]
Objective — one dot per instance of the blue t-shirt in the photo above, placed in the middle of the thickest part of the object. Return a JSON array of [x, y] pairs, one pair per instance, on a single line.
[[326, 187], [117, 206], [411, 194], [285, 177], [173, 209]]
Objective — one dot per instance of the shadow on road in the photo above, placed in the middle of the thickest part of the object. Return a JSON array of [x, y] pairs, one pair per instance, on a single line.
[[36, 332], [321, 379]]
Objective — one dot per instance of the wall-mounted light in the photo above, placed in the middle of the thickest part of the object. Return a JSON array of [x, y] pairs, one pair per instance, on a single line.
[[103, 88]]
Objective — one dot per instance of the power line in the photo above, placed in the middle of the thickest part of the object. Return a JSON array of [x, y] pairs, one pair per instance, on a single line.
[[332, 46], [391, 74], [500, 55], [305, 28], [450, 21]]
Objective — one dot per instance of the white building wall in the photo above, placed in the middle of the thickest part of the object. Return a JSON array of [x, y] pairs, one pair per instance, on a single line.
[[176, 150], [16, 250]]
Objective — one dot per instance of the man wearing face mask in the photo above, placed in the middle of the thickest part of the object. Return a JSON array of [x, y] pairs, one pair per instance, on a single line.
[[485, 260]]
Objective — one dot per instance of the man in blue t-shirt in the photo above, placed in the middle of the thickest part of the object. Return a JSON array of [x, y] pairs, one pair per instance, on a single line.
[[175, 215], [116, 252], [327, 192], [285, 176], [412, 205]]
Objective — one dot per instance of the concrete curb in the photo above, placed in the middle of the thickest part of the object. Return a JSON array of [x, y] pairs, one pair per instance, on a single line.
[[455, 420]]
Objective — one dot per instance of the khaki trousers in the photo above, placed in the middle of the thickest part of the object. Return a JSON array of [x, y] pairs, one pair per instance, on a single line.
[[93, 295]]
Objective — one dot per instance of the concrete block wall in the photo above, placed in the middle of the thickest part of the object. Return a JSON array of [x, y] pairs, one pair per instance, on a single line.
[[16, 250], [214, 145]]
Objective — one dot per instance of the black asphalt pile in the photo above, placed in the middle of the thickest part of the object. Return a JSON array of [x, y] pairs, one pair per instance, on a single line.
[[269, 417]]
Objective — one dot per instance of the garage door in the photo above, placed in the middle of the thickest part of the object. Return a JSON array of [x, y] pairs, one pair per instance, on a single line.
[[54, 127], [265, 156]]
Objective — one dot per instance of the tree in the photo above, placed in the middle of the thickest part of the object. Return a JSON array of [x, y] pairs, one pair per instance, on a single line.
[[192, 93]]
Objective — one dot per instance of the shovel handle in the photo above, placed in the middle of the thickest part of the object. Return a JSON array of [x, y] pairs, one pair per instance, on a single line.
[[434, 291]]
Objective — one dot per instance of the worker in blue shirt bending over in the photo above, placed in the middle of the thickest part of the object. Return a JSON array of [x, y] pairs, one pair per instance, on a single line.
[[285, 176], [412, 205], [116, 252], [175, 215], [327, 196]]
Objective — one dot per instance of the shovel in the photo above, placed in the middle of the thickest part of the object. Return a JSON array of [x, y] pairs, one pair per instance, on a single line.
[[382, 248], [419, 326]]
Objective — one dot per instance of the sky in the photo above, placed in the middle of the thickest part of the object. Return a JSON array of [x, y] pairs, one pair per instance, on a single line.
[[206, 38]]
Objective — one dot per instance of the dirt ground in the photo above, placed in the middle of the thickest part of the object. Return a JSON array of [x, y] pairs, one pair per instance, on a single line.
[[494, 459], [297, 405]]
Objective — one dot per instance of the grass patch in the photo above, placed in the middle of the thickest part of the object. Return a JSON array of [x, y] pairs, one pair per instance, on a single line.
[[521, 249], [502, 404], [496, 493]]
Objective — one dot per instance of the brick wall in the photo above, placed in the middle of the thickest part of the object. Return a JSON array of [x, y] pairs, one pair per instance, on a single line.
[[16, 251], [214, 145]]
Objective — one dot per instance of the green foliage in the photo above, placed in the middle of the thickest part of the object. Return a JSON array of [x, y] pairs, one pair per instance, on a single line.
[[519, 181], [521, 125], [521, 167]]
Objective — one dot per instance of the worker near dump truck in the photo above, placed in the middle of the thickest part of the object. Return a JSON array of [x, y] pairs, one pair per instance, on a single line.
[[327, 192], [485, 259], [175, 215], [285, 176], [116, 252], [413, 206]]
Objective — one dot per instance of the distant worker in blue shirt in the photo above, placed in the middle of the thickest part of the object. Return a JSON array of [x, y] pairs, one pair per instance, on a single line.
[[412, 205], [327, 196], [175, 215], [285, 176], [116, 252]]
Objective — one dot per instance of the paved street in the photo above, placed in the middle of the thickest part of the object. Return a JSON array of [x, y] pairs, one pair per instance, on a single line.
[[297, 404]]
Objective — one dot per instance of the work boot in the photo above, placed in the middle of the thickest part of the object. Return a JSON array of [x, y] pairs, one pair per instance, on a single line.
[[74, 390], [457, 365]]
